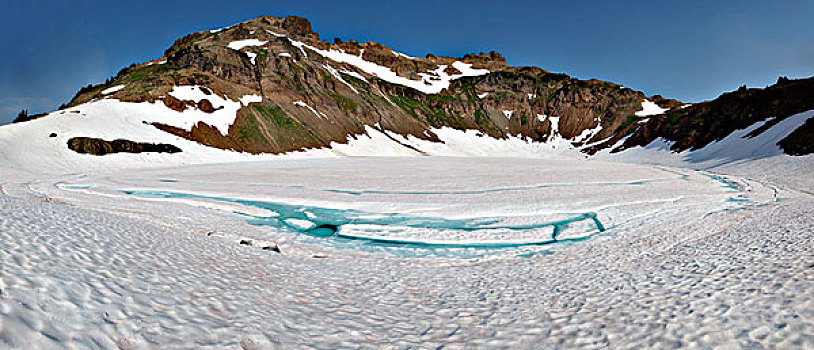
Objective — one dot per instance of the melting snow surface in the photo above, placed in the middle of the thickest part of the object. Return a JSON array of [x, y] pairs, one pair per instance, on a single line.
[[134, 272], [508, 113], [402, 55], [481, 96]]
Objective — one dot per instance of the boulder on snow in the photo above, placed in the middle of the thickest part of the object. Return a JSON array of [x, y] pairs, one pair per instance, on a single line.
[[99, 147], [205, 106]]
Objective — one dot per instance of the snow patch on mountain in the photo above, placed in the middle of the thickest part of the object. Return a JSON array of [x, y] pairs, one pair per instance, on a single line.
[[239, 44], [587, 134], [431, 83], [303, 104], [252, 56], [336, 75], [650, 108], [220, 119], [113, 89], [355, 75]]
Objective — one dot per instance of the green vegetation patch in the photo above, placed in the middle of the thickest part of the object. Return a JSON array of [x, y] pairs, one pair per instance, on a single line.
[[249, 132], [262, 54], [551, 95], [407, 104], [439, 98], [155, 70], [345, 103], [628, 121]]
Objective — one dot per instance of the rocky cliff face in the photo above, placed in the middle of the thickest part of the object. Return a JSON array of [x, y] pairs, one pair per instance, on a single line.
[[316, 92]]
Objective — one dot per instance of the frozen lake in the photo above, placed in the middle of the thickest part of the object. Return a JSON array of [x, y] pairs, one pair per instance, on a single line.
[[458, 207], [409, 252]]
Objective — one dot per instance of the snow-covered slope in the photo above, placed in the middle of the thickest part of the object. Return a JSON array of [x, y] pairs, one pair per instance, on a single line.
[[30, 146], [736, 147]]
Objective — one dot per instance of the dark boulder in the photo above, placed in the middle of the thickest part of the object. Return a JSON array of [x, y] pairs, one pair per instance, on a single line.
[[99, 147], [174, 104], [205, 106], [273, 247]]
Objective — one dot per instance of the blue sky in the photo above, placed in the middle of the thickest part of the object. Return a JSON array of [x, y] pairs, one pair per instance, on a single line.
[[689, 50]]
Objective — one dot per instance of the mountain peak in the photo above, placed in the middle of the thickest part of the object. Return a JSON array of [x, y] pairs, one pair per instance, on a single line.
[[271, 85]]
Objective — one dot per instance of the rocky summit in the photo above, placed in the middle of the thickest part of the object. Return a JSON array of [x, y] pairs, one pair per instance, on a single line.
[[315, 93]]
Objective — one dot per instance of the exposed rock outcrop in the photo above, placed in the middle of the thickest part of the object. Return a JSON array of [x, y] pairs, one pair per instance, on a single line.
[[801, 141], [205, 106], [700, 124], [100, 147]]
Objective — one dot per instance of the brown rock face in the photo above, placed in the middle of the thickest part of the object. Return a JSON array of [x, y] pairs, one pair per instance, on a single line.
[[801, 141], [300, 27], [490, 61], [99, 147], [205, 106], [174, 103]]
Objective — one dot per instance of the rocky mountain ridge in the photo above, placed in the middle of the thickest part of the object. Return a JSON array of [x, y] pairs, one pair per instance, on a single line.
[[353, 85], [315, 93]]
